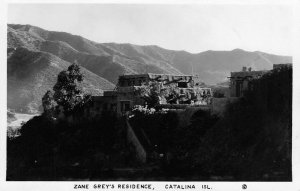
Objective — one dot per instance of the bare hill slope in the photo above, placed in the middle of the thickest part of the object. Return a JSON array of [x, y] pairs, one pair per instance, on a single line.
[[111, 59]]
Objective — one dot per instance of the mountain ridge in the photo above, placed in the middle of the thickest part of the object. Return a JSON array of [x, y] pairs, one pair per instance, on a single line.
[[106, 61]]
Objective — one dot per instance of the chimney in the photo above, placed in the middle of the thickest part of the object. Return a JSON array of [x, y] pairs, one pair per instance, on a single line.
[[244, 69]]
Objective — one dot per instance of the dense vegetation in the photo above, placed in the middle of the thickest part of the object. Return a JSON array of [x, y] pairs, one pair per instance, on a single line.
[[253, 140], [60, 151]]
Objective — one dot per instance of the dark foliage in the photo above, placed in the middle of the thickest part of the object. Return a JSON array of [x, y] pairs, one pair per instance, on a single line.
[[159, 128], [151, 94], [253, 140], [187, 140], [175, 142], [67, 93], [49, 104], [56, 151]]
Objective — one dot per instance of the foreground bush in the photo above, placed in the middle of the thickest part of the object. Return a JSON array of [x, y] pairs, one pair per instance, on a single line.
[[54, 151], [253, 140]]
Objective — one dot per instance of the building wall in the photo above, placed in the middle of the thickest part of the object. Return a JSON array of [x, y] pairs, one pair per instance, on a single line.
[[238, 87], [129, 97], [232, 88], [133, 80], [100, 104], [239, 81]]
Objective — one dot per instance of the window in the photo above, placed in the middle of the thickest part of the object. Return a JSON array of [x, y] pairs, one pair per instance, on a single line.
[[182, 84], [125, 106]]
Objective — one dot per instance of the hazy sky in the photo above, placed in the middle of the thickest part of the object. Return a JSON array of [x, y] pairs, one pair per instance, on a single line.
[[193, 28]]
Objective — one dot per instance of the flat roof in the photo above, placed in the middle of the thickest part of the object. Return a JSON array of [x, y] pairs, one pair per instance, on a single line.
[[248, 73], [152, 74]]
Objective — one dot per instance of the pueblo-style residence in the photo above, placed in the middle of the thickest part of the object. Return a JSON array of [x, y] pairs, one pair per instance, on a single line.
[[126, 94], [191, 91], [189, 94], [192, 97], [241, 81]]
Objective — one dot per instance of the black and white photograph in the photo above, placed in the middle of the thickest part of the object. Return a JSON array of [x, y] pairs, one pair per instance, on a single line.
[[149, 92]]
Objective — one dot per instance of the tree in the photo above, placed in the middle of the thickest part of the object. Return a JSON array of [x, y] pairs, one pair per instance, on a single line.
[[155, 92], [49, 104], [172, 94], [151, 93], [67, 93], [66, 90]]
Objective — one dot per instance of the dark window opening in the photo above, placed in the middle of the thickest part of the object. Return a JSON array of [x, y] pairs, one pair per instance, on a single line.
[[182, 84], [125, 105], [105, 106]]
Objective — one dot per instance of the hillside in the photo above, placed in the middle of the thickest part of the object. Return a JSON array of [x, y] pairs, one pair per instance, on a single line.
[[30, 74], [101, 59], [104, 62]]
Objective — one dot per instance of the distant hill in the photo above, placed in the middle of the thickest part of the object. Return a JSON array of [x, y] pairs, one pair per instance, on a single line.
[[102, 59], [104, 62]]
